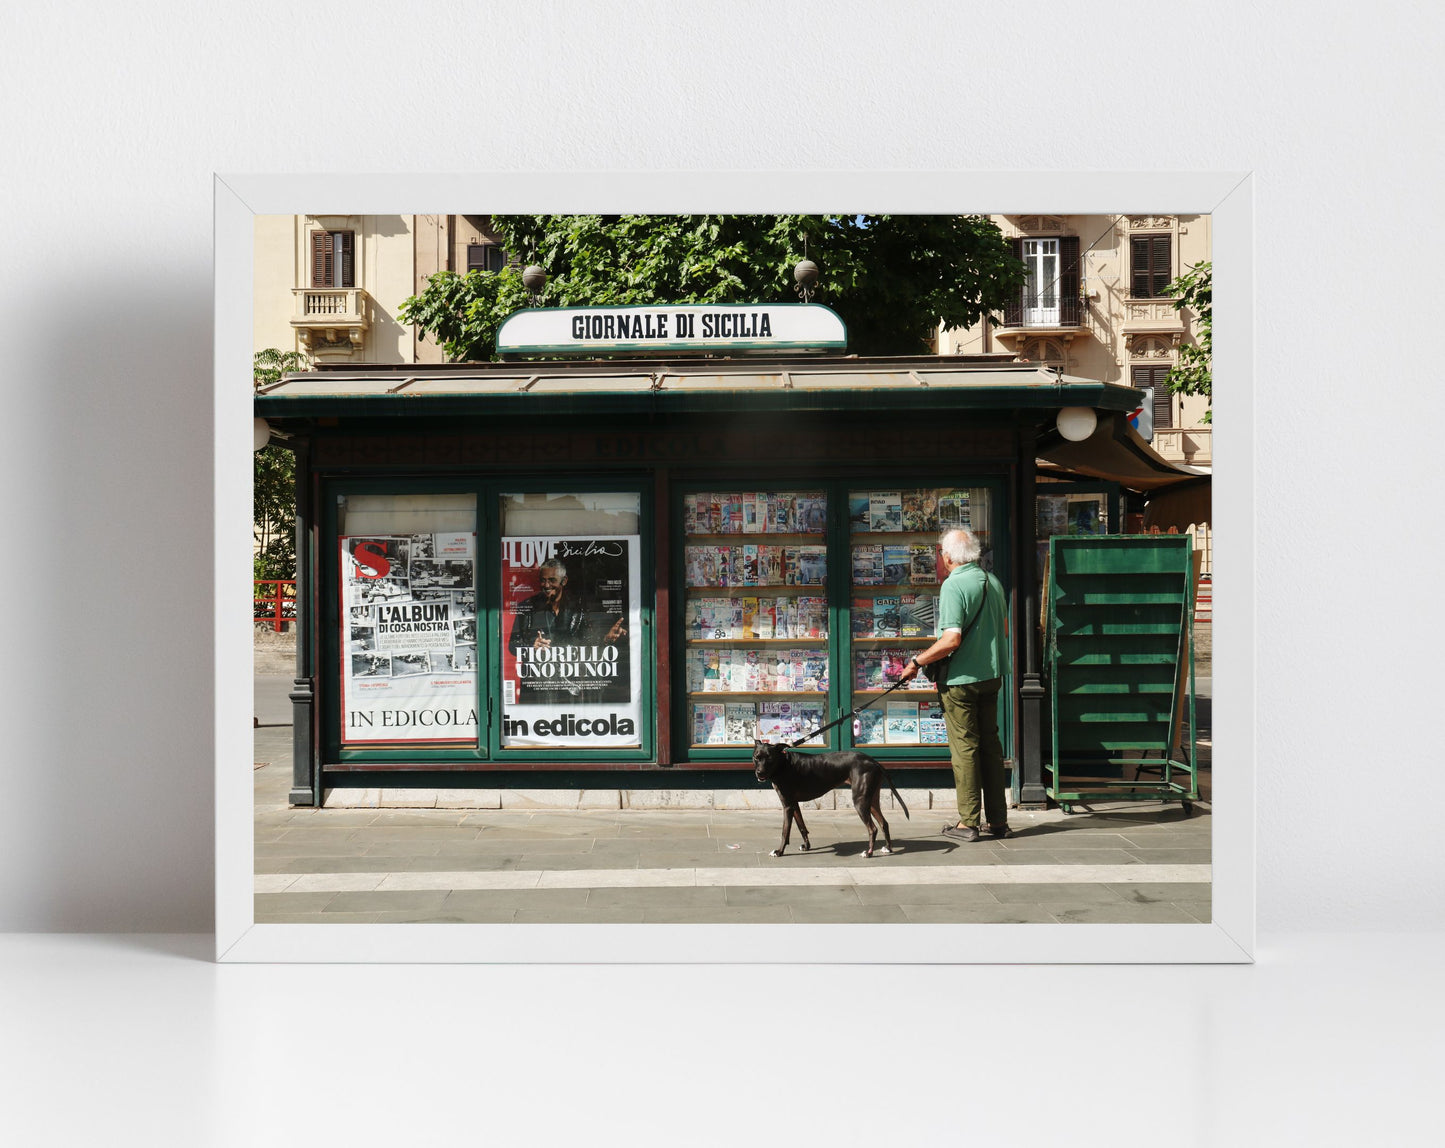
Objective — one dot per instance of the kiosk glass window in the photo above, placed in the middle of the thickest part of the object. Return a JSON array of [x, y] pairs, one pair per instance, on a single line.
[[755, 615], [408, 619], [571, 620], [896, 571]]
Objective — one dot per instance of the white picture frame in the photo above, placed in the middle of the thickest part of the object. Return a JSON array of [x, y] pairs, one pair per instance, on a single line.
[[1226, 196]]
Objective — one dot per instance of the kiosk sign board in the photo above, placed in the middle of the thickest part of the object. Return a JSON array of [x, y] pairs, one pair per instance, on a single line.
[[712, 328]]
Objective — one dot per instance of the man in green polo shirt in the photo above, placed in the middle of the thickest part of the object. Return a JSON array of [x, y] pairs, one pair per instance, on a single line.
[[973, 637]]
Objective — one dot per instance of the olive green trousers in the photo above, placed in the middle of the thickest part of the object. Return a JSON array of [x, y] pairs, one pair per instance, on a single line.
[[971, 714]]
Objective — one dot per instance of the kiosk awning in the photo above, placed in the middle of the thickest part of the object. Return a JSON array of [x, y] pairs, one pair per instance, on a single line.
[[1117, 453]]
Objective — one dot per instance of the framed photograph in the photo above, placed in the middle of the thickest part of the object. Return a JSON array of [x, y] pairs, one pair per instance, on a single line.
[[519, 663]]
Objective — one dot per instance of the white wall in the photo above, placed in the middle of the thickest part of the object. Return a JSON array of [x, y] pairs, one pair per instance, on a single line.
[[118, 115]]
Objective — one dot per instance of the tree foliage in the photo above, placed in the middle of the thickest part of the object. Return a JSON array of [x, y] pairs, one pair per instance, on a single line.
[[273, 508], [1193, 374], [892, 278]]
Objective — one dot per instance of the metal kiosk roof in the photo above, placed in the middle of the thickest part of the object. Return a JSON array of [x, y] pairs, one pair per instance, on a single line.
[[706, 385], [982, 384]]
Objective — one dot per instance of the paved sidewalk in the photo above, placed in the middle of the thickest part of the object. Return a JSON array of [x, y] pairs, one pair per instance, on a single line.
[[1124, 862]]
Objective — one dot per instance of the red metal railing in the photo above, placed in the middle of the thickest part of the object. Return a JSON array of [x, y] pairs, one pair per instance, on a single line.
[[275, 602]]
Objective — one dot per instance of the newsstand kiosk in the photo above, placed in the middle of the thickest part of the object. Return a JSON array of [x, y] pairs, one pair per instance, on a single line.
[[614, 570]]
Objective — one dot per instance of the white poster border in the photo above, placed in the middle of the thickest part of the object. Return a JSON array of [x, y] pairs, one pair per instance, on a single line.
[[1227, 196]]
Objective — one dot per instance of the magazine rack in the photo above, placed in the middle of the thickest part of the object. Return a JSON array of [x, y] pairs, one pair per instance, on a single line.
[[756, 616], [1120, 640]]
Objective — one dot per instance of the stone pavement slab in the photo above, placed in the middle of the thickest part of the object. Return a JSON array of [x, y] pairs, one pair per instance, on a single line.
[[538, 864]]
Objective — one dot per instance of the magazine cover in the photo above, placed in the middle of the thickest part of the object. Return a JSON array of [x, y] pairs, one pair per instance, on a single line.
[[741, 720], [409, 669], [948, 512], [901, 723], [813, 617], [811, 513], [868, 564], [885, 617], [780, 514], [917, 615], [896, 561], [859, 519], [862, 618], [812, 565], [709, 723], [931, 729], [915, 517], [570, 618], [885, 511], [764, 624], [923, 563], [711, 672], [753, 522], [868, 727], [737, 671], [770, 565], [753, 660]]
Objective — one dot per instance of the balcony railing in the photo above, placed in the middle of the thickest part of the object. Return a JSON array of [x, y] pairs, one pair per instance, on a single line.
[[1192, 446], [331, 321], [315, 306], [1032, 311]]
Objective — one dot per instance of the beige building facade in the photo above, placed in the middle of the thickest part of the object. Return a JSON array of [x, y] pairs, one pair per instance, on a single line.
[[1094, 307], [331, 286]]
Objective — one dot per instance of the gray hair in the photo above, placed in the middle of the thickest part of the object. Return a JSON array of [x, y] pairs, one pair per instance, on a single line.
[[961, 546], [554, 564]]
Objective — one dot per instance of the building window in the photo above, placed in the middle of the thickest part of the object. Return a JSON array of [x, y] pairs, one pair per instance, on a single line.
[[1153, 378], [333, 262], [485, 257], [1050, 296], [1149, 264]]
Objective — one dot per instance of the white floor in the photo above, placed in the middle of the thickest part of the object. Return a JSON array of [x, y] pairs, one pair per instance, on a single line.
[[143, 1040]]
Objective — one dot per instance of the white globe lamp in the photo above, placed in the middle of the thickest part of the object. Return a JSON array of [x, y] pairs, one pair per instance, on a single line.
[[1077, 423]]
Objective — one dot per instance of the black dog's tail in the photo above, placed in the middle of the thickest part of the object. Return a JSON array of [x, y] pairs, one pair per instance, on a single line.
[[896, 797]]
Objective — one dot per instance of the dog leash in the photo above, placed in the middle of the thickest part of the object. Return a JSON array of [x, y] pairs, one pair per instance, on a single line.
[[838, 721]]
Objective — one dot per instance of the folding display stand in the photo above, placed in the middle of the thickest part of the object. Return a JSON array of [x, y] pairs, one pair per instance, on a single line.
[[1120, 640]]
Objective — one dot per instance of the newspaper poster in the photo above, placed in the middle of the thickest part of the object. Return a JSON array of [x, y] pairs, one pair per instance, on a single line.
[[408, 639], [571, 642]]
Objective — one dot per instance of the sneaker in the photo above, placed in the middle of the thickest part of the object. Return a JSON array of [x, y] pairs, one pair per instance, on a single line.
[[961, 832]]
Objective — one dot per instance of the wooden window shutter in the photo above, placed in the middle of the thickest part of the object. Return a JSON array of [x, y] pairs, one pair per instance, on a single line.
[[1070, 308], [1139, 266], [1148, 266], [1013, 311], [1163, 401], [343, 243], [1161, 265], [321, 258]]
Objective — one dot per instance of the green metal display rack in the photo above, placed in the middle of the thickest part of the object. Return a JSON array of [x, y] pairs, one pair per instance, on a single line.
[[1120, 638]]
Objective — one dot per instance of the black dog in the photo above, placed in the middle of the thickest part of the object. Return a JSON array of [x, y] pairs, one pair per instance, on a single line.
[[800, 777]]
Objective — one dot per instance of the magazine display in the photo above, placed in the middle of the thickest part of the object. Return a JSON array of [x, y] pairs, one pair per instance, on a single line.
[[896, 568], [755, 615], [409, 639]]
